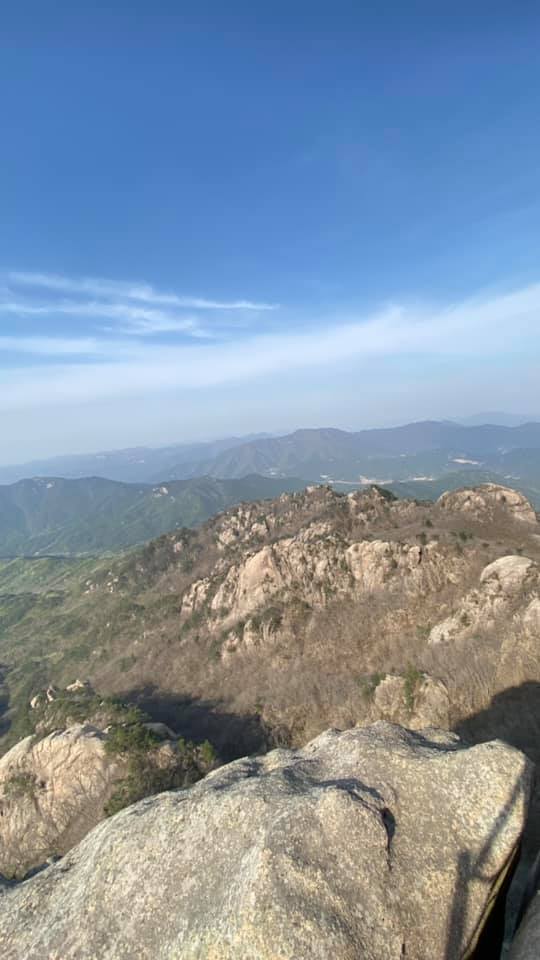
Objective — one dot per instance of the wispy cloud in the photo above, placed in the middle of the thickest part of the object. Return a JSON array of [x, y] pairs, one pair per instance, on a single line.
[[477, 328], [145, 293], [113, 308], [132, 319], [55, 346]]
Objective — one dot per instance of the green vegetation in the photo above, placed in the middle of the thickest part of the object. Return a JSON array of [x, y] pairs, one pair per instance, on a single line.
[[413, 677], [56, 517], [385, 493], [207, 753], [194, 620], [130, 738], [146, 776], [271, 617], [369, 684], [85, 706]]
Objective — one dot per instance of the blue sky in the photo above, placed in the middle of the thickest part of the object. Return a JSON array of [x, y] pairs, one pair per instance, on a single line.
[[222, 218]]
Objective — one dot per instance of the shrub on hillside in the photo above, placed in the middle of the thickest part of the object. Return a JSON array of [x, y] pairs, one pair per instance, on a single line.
[[149, 772], [130, 738]]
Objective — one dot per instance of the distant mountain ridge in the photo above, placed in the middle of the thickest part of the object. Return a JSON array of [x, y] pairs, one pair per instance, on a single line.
[[498, 417], [55, 516], [427, 457], [92, 514], [308, 453], [129, 465]]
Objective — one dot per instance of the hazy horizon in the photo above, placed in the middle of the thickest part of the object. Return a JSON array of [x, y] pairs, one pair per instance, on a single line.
[[498, 418]]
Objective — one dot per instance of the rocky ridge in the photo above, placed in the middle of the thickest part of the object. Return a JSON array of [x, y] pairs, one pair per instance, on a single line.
[[284, 611], [341, 556], [488, 500]]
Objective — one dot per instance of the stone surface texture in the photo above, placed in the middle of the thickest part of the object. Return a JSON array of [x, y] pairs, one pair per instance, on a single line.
[[374, 843], [482, 502], [52, 792]]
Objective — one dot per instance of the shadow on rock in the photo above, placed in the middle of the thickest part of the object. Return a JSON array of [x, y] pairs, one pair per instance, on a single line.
[[513, 716], [489, 941]]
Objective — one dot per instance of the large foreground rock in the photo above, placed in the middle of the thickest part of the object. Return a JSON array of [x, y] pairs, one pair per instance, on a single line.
[[375, 843]]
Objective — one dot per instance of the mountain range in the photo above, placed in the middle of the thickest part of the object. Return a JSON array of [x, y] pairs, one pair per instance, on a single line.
[[131, 465], [94, 514], [303, 450], [53, 515], [415, 451], [423, 450]]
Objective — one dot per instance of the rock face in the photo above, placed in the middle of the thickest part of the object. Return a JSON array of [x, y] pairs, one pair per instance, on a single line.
[[52, 793], [313, 567], [414, 701], [373, 843], [483, 502], [509, 587], [317, 548]]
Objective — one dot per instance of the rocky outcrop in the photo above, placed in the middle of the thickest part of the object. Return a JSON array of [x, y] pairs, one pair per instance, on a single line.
[[57, 784], [275, 577], [313, 568], [415, 700], [509, 587], [485, 502], [372, 843], [52, 792]]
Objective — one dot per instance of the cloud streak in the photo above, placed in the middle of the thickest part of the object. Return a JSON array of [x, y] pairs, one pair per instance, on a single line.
[[129, 318], [145, 293], [479, 328], [121, 309]]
